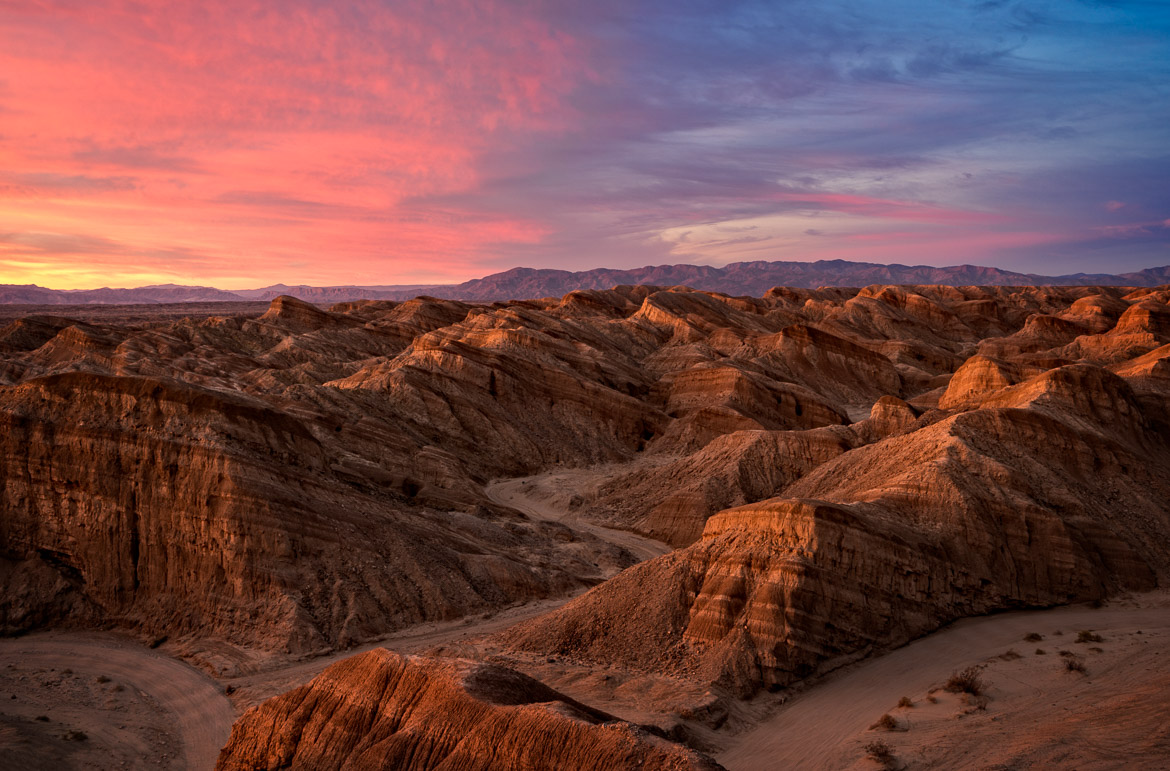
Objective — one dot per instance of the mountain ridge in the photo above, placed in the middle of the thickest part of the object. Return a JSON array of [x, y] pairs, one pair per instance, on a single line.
[[738, 278]]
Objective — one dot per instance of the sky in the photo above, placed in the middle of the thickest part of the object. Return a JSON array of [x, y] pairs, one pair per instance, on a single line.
[[239, 143]]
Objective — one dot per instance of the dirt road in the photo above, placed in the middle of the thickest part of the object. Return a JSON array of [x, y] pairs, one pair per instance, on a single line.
[[197, 712], [254, 688], [514, 493]]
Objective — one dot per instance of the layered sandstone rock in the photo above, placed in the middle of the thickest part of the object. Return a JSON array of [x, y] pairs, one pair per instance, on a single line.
[[672, 501], [303, 479], [179, 510], [380, 710], [978, 376], [1054, 491]]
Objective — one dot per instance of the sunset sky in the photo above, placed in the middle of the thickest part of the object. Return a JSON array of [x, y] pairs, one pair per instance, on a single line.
[[239, 144]]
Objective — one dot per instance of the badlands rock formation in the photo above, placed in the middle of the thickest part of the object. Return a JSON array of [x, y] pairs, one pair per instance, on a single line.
[[840, 471], [380, 710]]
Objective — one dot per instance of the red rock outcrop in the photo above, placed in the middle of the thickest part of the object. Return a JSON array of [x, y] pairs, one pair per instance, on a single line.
[[380, 710], [179, 510], [671, 502], [1054, 491], [978, 376]]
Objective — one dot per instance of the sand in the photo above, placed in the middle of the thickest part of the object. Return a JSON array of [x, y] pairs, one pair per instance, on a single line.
[[110, 703], [1037, 713]]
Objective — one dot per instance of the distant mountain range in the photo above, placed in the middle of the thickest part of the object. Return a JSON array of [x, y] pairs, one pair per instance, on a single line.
[[739, 278]]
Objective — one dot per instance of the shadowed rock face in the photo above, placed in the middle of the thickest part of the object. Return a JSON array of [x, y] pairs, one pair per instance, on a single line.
[[187, 511], [380, 710]]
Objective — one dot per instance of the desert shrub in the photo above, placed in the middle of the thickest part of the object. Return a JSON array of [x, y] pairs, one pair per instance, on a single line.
[[103, 679], [75, 736], [1041, 652], [885, 723], [42, 718], [1033, 637], [881, 752], [1088, 636], [1010, 655], [965, 681], [1075, 665], [905, 702], [1095, 649]]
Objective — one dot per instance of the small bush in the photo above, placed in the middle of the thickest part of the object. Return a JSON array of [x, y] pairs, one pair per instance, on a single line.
[[932, 699], [1010, 655], [885, 723], [976, 703], [881, 752], [42, 718], [75, 736], [905, 702], [1095, 649], [965, 681], [1088, 636], [103, 679], [1067, 654], [1041, 652], [1075, 665], [1033, 637]]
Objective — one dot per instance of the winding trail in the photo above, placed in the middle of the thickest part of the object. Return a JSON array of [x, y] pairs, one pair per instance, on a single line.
[[513, 493], [202, 716]]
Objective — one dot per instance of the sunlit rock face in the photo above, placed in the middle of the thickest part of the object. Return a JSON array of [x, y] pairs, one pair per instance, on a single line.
[[380, 710]]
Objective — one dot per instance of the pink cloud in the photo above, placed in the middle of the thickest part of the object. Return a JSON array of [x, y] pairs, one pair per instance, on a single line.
[[267, 133]]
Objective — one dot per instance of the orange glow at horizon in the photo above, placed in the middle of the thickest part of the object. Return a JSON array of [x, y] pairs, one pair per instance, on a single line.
[[243, 144], [235, 143]]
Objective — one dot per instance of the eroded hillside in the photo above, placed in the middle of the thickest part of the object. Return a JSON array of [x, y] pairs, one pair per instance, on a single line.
[[839, 471]]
